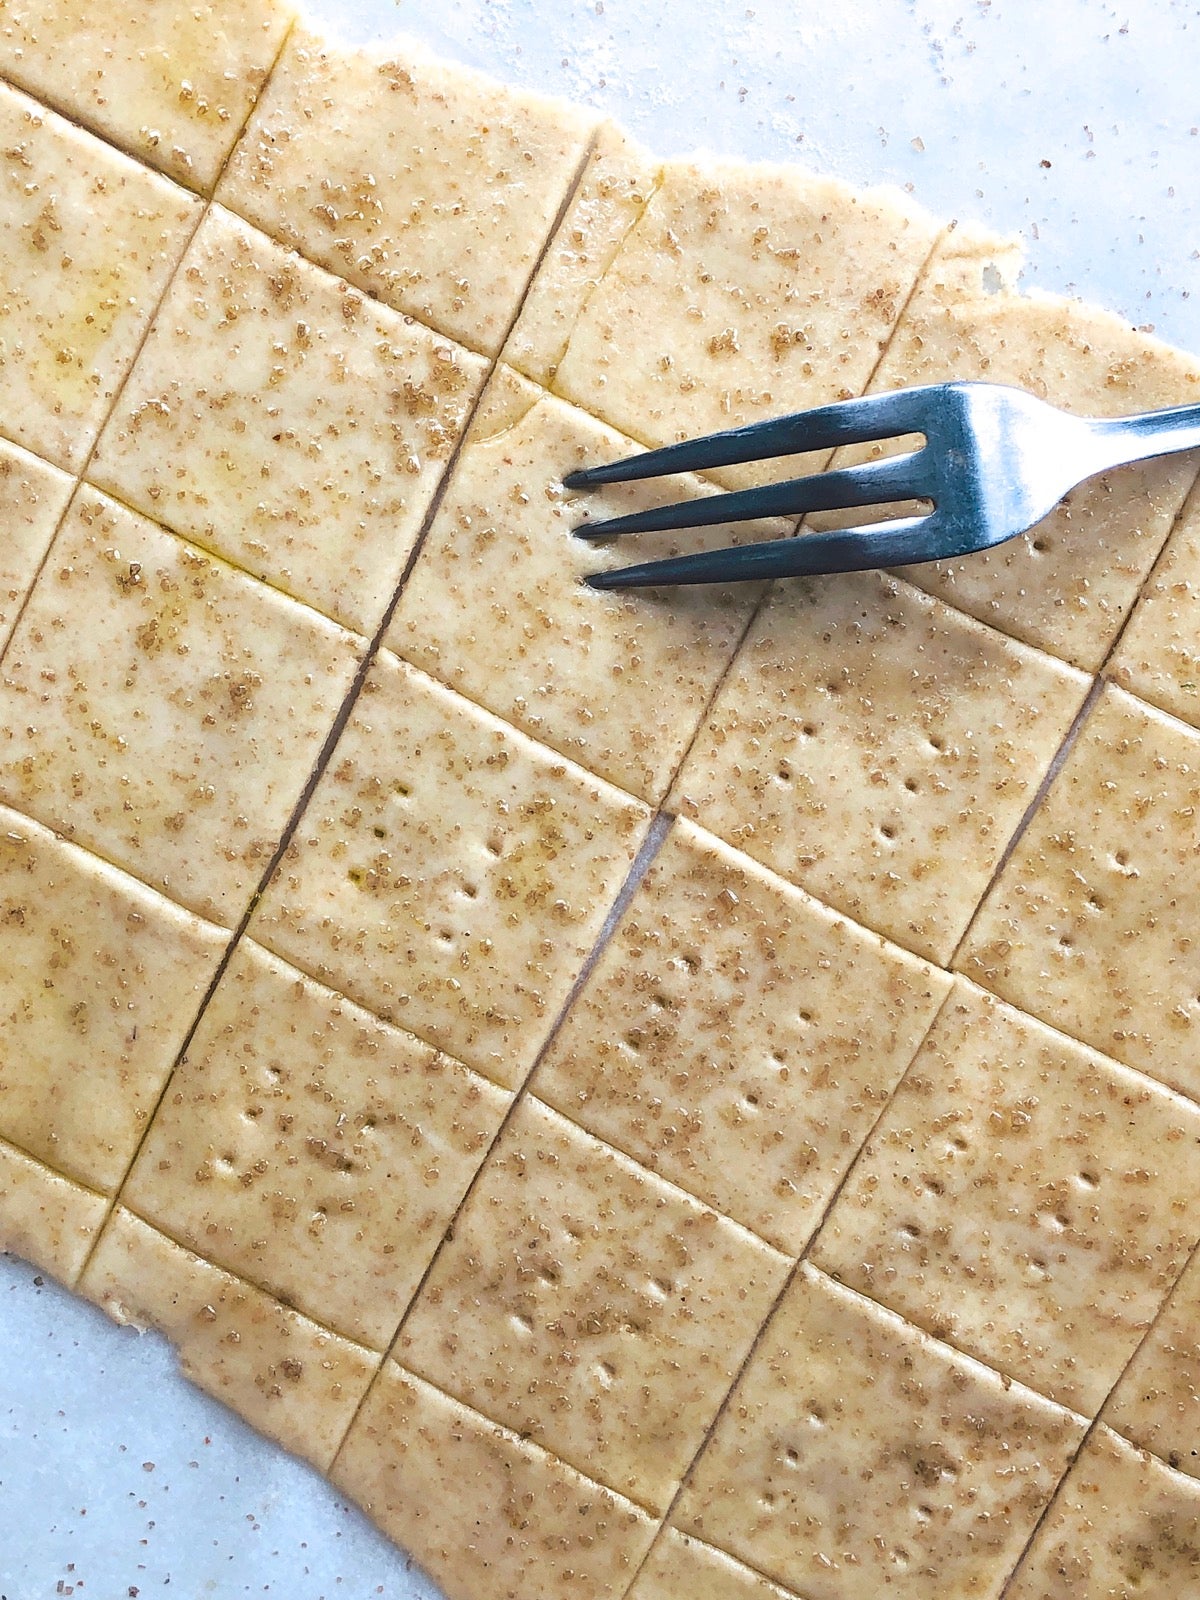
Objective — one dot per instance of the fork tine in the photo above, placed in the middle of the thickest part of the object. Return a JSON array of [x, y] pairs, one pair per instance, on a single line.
[[882, 544], [871, 417], [874, 483]]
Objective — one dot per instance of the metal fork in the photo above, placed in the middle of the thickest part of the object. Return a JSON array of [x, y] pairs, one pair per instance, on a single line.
[[995, 461]]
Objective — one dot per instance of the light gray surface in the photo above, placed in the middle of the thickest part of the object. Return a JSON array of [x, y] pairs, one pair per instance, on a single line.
[[116, 1476], [991, 91]]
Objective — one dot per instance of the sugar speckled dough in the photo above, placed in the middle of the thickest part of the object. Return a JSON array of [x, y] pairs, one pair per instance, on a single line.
[[449, 874], [1024, 1199], [507, 1164], [99, 983], [738, 1037], [1088, 925], [486, 1512], [89, 241], [419, 181], [614, 189], [864, 1458], [33, 496], [292, 1379], [171, 81], [1156, 1403], [496, 605], [683, 1566], [879, 749], [287, 422], [309, 1147], [589, 1307], [740, 293], [1158, 656], [1124, 1525], [163, 709], [44, 1217]]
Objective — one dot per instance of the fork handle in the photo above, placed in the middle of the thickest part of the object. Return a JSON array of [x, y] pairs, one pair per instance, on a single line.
[[1151, 433]]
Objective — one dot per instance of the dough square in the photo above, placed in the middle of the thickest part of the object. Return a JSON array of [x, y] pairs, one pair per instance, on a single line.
[[613, 192], [1156, 1404], [680, 1566], [1123, 1525], [45, 1218], [90, 240], [1088, 925], [285, 421], [1158, 656], [33, 496], [163, 709], [449, 874], [290, 1378], [1068, 584], [99, 983], [311, 1149], [879, 749], [482, 1510], [738, 1037], [423, 183], [1023, 1199], [496, 605], [589, 1307], [741, 293], [865, 1456], [171, 81]]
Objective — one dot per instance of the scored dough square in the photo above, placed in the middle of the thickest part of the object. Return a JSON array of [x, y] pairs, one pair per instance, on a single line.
[[99, 983], [33, 496], [1124, 1525], [586, 1305], [449, 874], [312, 1149], [878, 749], [866, 1457], [1066, 585], [1024, 1199], [1156, 1404], [418, 180], [496, 606], [285, 421], [613, 192], [483, 1511], [741, 293], [45, 1218], [679, 1566], [90, 239], [1158, 656], [171, 81], [1088, 926], [163, 709], [290, 1378], [738, 1037]]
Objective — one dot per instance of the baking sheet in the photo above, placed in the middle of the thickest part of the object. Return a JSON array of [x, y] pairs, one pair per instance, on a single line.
[[1074, 124]]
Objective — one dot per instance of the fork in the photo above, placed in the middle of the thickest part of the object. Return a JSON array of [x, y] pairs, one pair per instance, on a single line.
[[995, 461]]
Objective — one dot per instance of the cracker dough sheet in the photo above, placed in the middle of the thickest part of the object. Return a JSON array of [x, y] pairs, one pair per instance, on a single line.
[[679, 1096]]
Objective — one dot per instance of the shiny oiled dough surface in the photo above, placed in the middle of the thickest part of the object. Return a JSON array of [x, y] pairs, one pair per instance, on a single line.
[[788, 1232]]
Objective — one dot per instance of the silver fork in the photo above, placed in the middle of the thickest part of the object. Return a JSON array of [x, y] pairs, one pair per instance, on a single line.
[[995, 461]]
